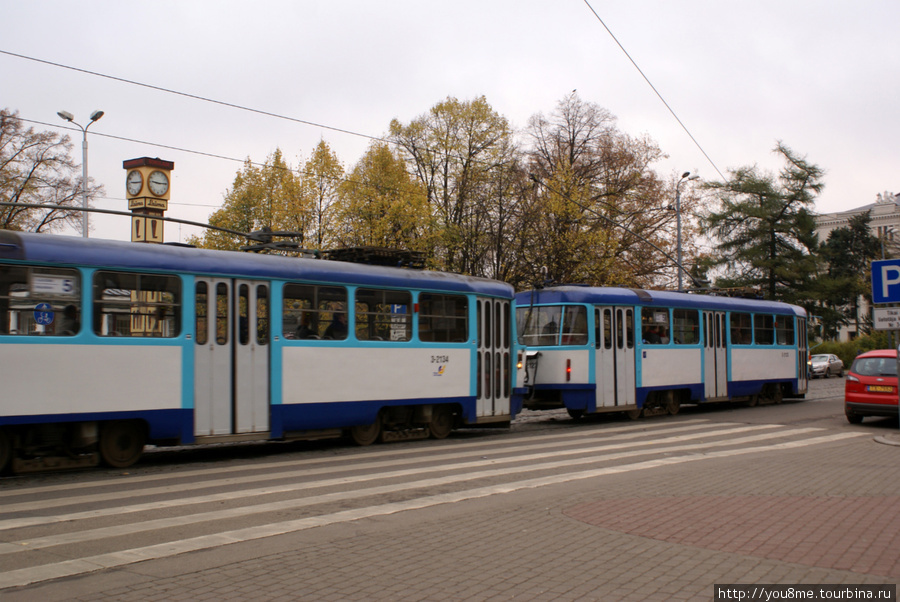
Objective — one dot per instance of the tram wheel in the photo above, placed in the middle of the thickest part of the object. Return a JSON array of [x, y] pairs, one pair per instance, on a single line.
[[672, 403], [5, 450], [777, 395], [634, 414], [441, 422], [121, 442], [366, 434], [575, 414]]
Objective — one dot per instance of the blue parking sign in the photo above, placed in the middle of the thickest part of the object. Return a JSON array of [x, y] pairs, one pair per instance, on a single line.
[[886, 281]]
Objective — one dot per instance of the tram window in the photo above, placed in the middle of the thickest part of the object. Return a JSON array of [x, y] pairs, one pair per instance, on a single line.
[[478, 375], [575, 325], [498, 327], [741, 329], [487, 367], [620, 336], [310, 311], [685, 327], [478, 326], [506, 329], [655, 326], [39, 301], [243, 309], [201, 300], [136, 305], [498, 324], [607, 329], [784, 330], [443, 318], [262, 315], [629, 328], [259, 330], [222, 306], [539, 325], [383, 315], [506, 374], [764, 329], [487, 324]]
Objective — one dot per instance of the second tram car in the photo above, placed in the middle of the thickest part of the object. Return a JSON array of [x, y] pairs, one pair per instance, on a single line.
[[106, 346], [590, 349]]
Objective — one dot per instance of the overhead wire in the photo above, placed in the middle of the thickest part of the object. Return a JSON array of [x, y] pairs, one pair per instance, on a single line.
[[655, 91], [299, 171], [304, 121], [188, 95], [297, 120]]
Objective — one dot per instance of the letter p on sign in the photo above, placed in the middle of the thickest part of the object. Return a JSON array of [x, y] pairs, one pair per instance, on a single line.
[[890, 274]]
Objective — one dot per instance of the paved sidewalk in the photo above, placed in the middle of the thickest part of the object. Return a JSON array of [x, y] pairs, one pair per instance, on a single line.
[[822, 514]]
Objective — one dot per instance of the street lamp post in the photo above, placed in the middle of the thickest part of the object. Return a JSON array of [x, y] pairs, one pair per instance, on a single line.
[[685, 176], [84, 160]]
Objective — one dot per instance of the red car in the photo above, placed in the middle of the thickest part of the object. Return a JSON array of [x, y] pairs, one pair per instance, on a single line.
[[871, 385]]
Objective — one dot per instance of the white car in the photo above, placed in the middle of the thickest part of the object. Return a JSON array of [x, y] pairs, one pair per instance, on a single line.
[[825, 364]]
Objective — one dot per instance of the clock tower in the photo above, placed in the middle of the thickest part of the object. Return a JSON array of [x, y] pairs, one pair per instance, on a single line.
[[147, 190]]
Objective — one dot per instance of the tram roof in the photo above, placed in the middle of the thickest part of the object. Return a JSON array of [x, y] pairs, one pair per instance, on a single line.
[[100, 253], [649, 298]]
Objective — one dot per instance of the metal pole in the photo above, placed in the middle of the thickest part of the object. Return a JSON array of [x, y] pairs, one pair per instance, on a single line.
[[678, 230], [686, 175], [890, 333], [84, 183], [84, 163]]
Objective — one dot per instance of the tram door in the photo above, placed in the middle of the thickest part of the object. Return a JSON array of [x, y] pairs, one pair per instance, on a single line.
[[614, 330], [715, 361], [802, 356], [493, 360], [231, 357]]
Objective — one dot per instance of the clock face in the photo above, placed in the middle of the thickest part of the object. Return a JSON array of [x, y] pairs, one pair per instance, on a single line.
[[134, 182], [158, 182]]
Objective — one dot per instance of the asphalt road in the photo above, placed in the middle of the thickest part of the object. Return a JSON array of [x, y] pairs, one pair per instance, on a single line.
[[601, 508]]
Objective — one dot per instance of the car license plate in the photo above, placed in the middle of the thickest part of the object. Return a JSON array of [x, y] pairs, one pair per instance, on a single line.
[[880, 389]]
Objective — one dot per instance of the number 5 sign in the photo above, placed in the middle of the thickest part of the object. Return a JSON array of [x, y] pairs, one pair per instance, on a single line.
[[886, 281]]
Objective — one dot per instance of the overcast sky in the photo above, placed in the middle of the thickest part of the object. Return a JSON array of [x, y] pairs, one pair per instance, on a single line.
[[821, 75]]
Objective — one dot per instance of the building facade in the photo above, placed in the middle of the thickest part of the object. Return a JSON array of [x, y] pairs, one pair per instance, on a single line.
[[884, 223]]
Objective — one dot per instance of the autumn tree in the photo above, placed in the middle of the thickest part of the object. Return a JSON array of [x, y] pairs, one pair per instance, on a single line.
[[765, 227], [36, 168], [319, 184], [455, 151], [381, 205], [262, 196], [509, 190], [598, 201]]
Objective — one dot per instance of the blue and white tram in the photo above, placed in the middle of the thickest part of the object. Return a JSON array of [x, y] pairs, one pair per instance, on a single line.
[[614, 349], [106, 346]]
